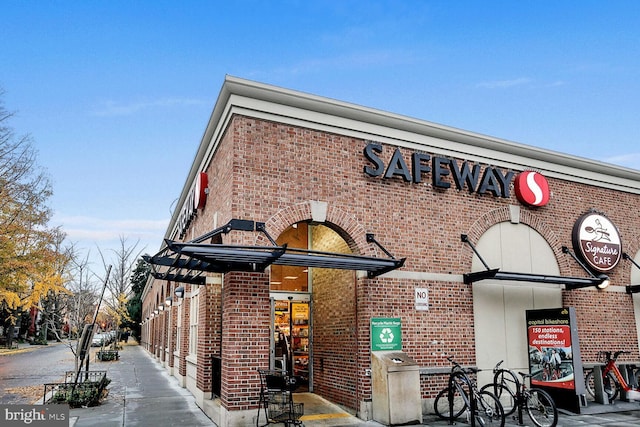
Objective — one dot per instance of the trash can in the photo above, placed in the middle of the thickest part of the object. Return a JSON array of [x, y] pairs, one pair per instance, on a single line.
[[396, 397]]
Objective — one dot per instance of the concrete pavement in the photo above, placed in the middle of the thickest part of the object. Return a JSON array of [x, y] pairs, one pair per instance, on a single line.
[[141, 393]]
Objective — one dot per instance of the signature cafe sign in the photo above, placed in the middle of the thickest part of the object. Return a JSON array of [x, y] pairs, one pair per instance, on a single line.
[[531, 187], [597, 241]]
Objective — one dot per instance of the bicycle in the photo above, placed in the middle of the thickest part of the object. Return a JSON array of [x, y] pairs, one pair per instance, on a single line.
[[481, 407], [550, 372], [538, 404], [612, 379]]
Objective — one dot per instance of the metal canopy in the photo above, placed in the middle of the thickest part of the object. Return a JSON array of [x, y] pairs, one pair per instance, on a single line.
[[495, 274], [186, 262], [570, 282]]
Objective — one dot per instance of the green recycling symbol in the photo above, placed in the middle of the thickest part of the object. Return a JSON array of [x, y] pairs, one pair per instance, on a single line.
[[386, 336], [386, 333]]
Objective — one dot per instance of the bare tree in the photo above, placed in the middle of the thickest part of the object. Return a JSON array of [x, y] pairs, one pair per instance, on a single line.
[[119, 283], [52, 302], [81, 304]]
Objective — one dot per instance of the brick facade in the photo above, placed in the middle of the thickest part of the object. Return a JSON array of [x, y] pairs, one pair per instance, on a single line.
[[265, 170]]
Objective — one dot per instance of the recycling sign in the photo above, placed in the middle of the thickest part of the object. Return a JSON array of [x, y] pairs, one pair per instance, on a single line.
[[386, 333]]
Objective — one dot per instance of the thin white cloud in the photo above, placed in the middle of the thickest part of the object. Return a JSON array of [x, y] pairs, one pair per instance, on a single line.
[[630, 160], [77, 234], [120, 223], [522, 81], [360, 59], [112, 108], [502, 84], [82, 228]]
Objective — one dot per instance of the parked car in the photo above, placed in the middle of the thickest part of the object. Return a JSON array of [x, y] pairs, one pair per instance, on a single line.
[[99, 340]]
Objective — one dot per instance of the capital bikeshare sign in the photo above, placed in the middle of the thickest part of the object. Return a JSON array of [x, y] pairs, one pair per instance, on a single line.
[[555, 363], [386, 334]]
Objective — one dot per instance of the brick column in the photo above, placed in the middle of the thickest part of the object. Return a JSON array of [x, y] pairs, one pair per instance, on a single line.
[[208, 330], [173, 330], [165, 333], [184, 333], [245, 338]]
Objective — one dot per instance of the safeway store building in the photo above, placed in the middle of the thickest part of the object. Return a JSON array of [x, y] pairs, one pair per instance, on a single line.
[[307, 222]]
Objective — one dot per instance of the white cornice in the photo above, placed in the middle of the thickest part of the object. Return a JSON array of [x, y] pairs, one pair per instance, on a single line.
[[240, 96]]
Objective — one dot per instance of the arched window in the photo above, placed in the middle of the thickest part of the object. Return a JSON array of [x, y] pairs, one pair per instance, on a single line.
[[499, 306]]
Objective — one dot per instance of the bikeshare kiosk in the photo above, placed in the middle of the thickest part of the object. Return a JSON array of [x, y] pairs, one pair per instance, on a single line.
[[396, 397], [555, 363]]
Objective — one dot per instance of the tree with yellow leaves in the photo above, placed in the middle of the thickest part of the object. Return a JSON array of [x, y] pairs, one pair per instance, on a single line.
[[49, 290], [29, 250]]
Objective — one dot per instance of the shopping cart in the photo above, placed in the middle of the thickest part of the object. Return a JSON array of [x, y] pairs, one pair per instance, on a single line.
[[277, 401]]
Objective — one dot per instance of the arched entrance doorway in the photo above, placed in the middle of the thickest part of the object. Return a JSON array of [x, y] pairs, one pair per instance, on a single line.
[[314, 313]]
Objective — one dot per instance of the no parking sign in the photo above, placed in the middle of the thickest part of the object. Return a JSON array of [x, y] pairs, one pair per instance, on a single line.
[[386, 333]]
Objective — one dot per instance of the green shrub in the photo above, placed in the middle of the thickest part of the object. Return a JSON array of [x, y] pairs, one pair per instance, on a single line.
[[88, 393], [39, 341], [107, 355]]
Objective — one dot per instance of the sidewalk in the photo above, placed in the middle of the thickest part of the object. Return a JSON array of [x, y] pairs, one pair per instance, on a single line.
[[141, 393], [22, 347]]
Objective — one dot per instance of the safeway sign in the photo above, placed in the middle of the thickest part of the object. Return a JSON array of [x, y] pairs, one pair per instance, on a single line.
[[386, 334]]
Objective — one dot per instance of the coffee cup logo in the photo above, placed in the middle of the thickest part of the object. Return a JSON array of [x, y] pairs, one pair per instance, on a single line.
[[597, 241]]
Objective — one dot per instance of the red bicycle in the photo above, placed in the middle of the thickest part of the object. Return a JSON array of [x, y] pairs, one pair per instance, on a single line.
[[612, 379]]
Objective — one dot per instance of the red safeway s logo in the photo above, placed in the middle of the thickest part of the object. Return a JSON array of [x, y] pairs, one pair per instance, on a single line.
[[532, 188]]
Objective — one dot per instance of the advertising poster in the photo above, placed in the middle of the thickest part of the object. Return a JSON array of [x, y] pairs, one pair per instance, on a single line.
[[282, 306], [300, 313], [550, 348], [554, 356]]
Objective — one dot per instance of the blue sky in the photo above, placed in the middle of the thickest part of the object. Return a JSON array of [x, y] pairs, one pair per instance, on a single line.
[[116, 94]]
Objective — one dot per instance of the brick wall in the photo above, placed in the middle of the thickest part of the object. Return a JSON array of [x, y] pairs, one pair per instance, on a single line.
[[245, 338], [184, 332], [334, 336], [173, 318], [605, 323], [164, 316], [267, 171], [209, 334]]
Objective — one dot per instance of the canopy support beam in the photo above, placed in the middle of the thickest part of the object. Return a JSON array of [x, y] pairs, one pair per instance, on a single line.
[[495, 274], [631, 289]]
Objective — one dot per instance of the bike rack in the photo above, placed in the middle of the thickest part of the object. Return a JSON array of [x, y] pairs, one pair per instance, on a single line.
[[472, 400], [630, 392], [598, 386], [520, 399]]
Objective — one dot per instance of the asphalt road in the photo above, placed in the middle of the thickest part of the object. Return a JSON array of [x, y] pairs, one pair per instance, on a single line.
[[23, 374]]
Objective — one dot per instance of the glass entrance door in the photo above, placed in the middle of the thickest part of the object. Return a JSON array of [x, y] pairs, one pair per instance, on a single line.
[[291, 344]]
